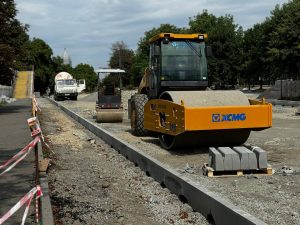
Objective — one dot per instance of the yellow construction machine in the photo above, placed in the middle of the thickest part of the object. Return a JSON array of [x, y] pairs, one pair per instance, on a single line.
[[109, 107], [173, 99]]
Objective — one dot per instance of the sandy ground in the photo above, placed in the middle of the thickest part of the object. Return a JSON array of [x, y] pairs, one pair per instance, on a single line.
[[274, 199], [91, 183]]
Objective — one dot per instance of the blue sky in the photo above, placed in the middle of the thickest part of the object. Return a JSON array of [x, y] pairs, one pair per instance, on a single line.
[[88, 28]]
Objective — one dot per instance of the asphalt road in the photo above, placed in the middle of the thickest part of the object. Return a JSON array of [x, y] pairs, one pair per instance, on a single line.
[[15, 135]]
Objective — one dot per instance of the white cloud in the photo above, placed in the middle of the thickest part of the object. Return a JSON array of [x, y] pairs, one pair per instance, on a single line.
[[33, 10], [88, 28]]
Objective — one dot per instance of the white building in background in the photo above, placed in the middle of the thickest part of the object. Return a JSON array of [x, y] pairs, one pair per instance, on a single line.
[[66, 58]]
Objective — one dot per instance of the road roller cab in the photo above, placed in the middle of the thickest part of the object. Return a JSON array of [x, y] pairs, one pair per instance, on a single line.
[[173, 102], [177, 62]]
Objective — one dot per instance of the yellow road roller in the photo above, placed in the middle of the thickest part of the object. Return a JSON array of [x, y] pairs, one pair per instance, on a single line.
[[173, 99], [109, 107]]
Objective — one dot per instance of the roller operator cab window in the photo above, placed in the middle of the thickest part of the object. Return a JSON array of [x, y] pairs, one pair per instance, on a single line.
[[183, 61]]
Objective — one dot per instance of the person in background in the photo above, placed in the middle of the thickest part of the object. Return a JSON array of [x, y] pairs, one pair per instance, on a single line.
[[48, 91]]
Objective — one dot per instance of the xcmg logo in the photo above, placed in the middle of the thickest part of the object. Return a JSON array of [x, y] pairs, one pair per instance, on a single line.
[[216, 117]]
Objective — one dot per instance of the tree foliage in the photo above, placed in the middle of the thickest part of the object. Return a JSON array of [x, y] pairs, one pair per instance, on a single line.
[[39, 55], [122, 58], [282, 31], [85, 71], [13, 35], [19, 52], [271, 48], [225, 37]]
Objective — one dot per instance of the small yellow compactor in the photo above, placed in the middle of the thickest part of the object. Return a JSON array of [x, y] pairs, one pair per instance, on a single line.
[[109, 107], [173, 100]]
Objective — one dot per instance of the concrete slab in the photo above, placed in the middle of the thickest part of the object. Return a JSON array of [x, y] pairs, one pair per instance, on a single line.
[[231, 159], [261, 156], [215, 159], [244, 158], [252, 160]]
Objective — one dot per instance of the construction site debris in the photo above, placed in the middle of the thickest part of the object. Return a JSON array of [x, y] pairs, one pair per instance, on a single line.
[[286, 170], [5, 99], [288, 89]]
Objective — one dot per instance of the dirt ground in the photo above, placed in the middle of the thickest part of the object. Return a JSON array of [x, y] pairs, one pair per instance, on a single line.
[[274, 199], [90, 183]]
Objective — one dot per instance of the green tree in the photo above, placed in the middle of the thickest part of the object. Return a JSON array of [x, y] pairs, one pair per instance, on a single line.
[[38, 54], [284, 40], [122, 58], [13, 36], [225, 37], [85, 71], [271, 48], [57, 63], [253, 62]]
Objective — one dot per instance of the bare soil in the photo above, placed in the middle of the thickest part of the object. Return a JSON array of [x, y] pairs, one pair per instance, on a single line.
[[91, 183], [274, 199]]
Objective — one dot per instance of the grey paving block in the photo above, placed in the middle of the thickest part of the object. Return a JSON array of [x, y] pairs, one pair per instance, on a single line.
[[243, 153], [252, 160], [230, 158], [215, 159], [261, 156]]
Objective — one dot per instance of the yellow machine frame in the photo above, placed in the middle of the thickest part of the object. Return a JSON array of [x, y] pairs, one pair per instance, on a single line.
[[170, 118], [177, 36]]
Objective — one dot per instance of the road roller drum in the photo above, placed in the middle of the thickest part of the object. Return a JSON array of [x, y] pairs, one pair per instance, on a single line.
[[109, 115]]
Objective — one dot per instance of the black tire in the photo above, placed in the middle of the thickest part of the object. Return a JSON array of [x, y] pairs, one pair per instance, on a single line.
[[137, 114]]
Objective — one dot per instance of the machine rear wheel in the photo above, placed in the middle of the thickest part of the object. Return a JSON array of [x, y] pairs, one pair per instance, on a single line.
[[137, 114]]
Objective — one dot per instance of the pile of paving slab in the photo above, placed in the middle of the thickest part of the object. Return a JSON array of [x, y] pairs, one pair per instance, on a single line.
[[240, 158]]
